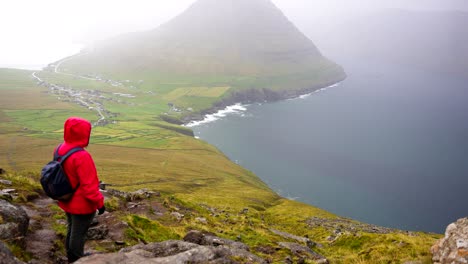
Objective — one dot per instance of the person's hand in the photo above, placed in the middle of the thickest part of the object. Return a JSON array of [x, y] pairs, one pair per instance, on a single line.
[[101, 210]]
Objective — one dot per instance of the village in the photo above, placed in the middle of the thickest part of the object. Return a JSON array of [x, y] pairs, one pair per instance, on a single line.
[[93, 100]]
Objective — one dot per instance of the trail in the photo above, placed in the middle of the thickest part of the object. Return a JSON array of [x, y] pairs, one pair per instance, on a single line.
[[41, 239]]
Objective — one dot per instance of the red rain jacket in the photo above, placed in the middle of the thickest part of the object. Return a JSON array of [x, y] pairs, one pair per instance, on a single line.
[[80, 168]]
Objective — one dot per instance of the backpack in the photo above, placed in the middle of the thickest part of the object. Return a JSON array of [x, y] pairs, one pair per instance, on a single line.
[[54, 181]]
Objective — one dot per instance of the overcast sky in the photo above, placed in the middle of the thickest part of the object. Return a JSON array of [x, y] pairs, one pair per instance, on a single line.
[[39, 32]]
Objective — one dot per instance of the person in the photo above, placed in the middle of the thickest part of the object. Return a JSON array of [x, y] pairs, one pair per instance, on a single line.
[[82, 174]]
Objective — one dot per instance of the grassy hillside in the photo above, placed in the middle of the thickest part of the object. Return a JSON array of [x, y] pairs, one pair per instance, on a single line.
[[139, 150], [242, 44]]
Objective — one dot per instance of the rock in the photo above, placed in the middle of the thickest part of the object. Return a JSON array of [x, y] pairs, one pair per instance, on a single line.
[[453, 248], [199, 238], [301, 251], [5, 196], [195, 237], [133, 205], [61, 222], [97, 232], [304, 240], [339, 225], [6, 182], [322, 261], [95, 221], [142, 194], [268, 250], [133, 196], [173, 251], [177, 215], [10, 191], [6, 257], [120, 243], [2, 171], [14, 222], [201, 220]]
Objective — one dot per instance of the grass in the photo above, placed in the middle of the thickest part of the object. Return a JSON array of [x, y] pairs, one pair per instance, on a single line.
[[143, 151], [26, 185], [142, 229], [213, 92]]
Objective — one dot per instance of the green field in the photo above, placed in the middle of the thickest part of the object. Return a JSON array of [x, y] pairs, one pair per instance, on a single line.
[[139, 150]]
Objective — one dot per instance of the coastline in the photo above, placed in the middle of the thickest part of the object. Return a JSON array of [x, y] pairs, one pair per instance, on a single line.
[[237, 101]]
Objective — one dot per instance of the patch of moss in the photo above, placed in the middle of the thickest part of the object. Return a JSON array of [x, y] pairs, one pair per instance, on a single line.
[[60, 230], [146, 230], [26, 185], [353, 242], [19, 252], [112, 204]]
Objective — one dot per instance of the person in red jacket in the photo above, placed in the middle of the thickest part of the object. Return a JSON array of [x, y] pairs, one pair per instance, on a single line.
[[82, 174]]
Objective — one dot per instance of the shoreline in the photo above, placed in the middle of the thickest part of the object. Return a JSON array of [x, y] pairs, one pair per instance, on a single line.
[[237, 102]]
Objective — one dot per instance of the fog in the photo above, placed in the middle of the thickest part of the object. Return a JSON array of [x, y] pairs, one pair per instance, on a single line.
[[40, 32]]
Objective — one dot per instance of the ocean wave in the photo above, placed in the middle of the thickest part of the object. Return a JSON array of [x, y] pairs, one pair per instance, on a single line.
[[304, 96], [229, 110]]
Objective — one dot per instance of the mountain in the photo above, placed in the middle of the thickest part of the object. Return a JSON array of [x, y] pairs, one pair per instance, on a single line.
[[224, 39], [433, 41]]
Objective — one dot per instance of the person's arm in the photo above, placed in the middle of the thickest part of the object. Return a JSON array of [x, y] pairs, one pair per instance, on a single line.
[[88, 179]]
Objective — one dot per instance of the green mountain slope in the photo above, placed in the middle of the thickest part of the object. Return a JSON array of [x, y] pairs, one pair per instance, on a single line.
[[240, 44], [194, 179]]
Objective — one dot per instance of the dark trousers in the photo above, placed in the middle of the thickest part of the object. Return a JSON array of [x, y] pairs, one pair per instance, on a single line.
[[76, 235]]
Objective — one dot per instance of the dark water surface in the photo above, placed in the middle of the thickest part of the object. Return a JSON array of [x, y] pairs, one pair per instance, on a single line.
[[388, 146]]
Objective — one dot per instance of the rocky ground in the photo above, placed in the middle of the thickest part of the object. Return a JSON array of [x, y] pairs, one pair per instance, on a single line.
[[33, 227], [39, 230]]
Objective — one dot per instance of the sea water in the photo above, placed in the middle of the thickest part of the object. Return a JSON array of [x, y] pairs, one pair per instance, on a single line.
[[387, 146]]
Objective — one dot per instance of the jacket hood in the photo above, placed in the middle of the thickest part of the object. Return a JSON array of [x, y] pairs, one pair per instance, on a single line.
[[77, 131]]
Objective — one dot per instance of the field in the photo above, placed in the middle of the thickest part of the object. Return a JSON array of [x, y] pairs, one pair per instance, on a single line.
[[136, 149]]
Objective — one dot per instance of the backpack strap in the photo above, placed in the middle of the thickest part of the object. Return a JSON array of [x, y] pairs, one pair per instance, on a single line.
[[64, 157], [68, 154], [56, 153]]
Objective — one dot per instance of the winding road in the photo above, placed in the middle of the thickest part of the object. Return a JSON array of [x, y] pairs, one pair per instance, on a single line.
[[77, 96]]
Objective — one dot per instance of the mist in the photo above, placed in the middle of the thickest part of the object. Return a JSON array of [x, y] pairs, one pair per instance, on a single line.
[[40, 32]]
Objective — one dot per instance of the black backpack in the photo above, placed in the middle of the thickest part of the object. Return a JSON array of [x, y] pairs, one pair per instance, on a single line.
[[54, 181]]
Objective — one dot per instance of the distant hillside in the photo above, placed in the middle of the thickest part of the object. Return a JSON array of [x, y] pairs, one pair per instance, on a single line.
[[434, 41], [241, 43]]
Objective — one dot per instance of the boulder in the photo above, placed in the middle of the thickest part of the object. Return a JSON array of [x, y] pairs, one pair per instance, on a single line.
[[6, 182], [178, 216], [303, 251], [304, 240], [97, 232], [198, 237], [5, 196], [201, 220], [14, 221], [453, 248], [6, 257], [133, 196], [173, 251]]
